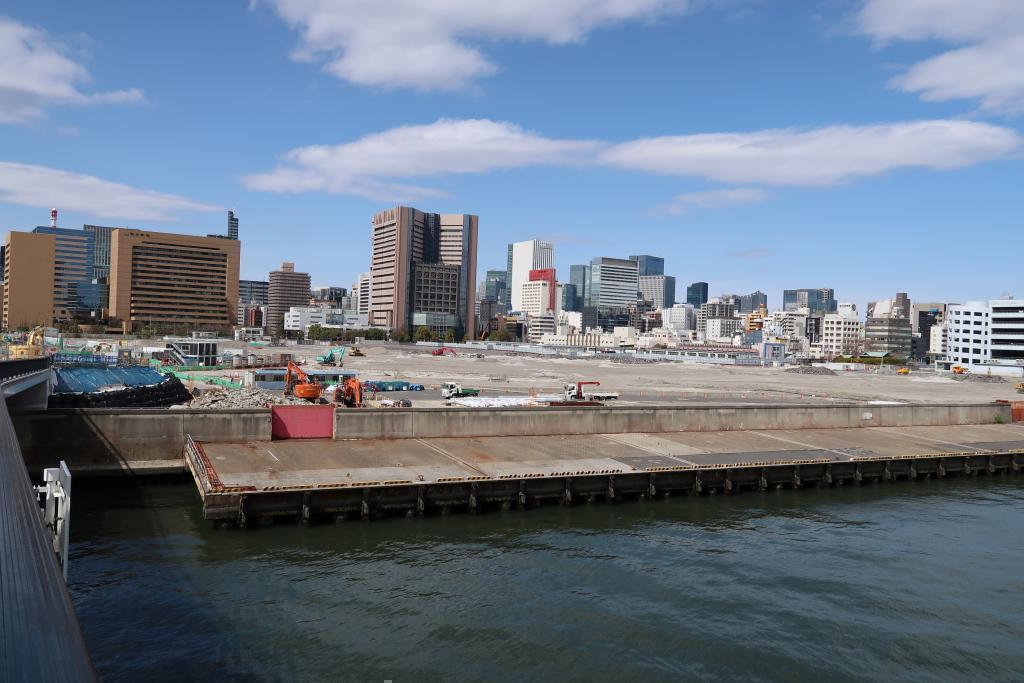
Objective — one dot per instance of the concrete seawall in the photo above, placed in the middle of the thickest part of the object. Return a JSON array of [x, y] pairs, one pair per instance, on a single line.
[[98, 441]]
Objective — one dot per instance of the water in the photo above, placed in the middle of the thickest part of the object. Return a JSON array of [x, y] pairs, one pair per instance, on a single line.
[[908, 581]]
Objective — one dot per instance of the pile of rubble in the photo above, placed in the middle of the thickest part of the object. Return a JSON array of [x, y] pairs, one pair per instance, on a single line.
[[984, 379], [229, 399], [811, 370]]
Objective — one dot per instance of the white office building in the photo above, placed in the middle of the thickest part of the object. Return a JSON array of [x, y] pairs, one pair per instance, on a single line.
[[841, 333], [680, 318], [986, 336], [527, 256], [536, 298]]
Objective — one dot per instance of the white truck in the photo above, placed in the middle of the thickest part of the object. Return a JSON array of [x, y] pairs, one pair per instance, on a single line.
[[575, 392], [454, 390]]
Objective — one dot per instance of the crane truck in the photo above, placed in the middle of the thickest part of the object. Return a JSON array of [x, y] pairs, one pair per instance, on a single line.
[[574, 391]]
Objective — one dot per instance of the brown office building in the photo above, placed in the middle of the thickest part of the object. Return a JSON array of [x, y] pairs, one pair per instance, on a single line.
[[163, 280], [28, 279], [286, 289], [403, 239]]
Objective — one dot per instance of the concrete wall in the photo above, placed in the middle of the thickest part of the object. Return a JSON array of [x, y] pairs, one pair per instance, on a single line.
[[117, 440], [442, 422], [151, 440]]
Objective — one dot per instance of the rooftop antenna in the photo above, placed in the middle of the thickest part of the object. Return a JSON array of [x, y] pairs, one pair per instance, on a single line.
[[53, 218]]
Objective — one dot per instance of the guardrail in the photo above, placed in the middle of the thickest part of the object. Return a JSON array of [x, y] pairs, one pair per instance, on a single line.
[[40, 639]]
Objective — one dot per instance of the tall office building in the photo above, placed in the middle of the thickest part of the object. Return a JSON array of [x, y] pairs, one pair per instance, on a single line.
[[578, 277], [697, 294], [363, 289], [527, 256], [748, 303], [614, 283], [496, 286], [28, 279], [546, 275], [405, 242], [660, 290], [821, 300], [252, 302], [75, 295], [159, 278], [101, 237], [285, 288], [714, 309], [649, 265], [232, 226]]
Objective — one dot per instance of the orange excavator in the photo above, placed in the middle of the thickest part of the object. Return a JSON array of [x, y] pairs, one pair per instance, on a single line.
[[301, 385], [350, 393]]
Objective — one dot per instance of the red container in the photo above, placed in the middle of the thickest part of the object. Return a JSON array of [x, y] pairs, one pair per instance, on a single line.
[[302, 422]]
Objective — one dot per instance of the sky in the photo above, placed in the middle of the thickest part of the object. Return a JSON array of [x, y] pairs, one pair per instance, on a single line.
[[871, 146]]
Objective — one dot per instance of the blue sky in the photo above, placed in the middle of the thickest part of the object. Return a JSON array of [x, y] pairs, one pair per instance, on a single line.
[[867, 145]]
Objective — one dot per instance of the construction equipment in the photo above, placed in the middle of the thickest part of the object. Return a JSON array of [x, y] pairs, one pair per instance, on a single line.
[[297, 383], [443, 351], [350, 393], [333, 357], [903, 371], [958, 370], [34, 346], [455, 390], [1019, 387], [575, 392]]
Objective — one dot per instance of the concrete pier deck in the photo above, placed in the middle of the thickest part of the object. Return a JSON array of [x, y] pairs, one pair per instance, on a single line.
[[305, 478]]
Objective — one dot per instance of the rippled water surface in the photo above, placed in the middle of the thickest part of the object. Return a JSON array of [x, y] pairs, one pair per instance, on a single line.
[[912, 581]]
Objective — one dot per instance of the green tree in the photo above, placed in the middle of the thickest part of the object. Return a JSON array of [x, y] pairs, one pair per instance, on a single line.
[[498, 335], [449, 336], [400, 335], [423, 333]]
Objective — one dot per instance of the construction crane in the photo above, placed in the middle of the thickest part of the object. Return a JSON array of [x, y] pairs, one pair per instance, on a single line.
[[297, 383]]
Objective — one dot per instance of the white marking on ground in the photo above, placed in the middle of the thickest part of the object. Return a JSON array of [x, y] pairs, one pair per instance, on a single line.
[[846, 456]]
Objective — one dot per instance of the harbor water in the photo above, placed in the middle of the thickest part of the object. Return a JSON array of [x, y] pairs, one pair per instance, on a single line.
[[905, 581]]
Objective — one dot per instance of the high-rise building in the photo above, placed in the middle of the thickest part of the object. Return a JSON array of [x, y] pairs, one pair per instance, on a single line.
[[680, 318], [166, 279], [815, 300], [496, 286], [547, 275], [649, 265], [75, 295], [578, 277], [538, 297], [697, 294], [527, 256], [252, 301], [329, 294], [568, 301], [28, 279], [285, 288], [362, 289], [614, 283], [232, 226], [748, 303], [660, 290], [403, 238], [714, 310], [101, 238]]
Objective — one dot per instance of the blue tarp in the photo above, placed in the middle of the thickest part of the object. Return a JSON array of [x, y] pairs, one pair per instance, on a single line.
[[86, 380]]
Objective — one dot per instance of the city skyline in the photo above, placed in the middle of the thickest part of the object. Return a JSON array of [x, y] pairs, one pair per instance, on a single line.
[[857, 146]]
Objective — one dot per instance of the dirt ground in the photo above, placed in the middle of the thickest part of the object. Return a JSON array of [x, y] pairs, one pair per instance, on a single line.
[[659, 382]]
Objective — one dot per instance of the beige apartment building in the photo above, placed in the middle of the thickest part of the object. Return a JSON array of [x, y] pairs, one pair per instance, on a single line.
[[404, 238], [285, 288], [28, 279], [159, 278]]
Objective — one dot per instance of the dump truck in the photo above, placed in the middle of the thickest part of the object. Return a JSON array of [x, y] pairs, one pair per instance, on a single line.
[[903, 371], [1019, 387], [574, 391], [959, 370], [456, 390]]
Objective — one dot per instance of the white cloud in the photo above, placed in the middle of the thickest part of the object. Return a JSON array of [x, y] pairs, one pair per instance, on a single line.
[[823, 156], [34, 73], [44, 187], [987, 66], [381, 165], [371, 165], [712, 199], [433, 44]]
